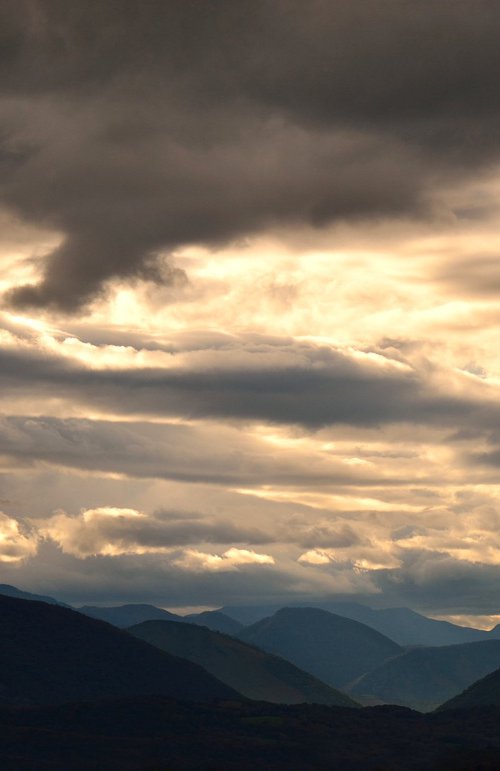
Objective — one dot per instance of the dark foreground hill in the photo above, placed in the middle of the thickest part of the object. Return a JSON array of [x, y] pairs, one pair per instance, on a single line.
[[49, 655], [425, 677], [252, 672], [155, 734], [337, 650], [483, 693]]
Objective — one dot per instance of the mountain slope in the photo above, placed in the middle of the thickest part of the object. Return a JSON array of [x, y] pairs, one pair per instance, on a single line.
[[483, 693], [407, 627], [215, 620], [50, 655], [250, 614], [252, 672], [335, 649], [123, 616], [13, 591], [425, 677]]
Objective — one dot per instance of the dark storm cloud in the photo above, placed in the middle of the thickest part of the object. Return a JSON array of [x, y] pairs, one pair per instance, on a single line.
[[328, 536], [292, 384], [436, 581], [135, 127], [491, 458]]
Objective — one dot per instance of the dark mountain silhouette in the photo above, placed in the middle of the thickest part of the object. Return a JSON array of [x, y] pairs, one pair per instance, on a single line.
[[335, 649], [215, 620], [403, 625], [13, 591], [162, 735], [252, 672], [425, 677], [483, 693], [123, 616], [50, 655]]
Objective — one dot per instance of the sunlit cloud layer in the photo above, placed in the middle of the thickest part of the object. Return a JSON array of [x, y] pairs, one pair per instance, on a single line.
[[16, 542], [249, 324]]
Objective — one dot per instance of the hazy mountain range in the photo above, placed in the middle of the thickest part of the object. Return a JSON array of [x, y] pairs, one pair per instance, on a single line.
[[403, 625], [124, 616], [179, 695], [294, 655]]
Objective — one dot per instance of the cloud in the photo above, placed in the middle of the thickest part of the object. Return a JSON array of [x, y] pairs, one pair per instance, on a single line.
[[373, 558], [283, 382], [17, 542], [199, 125], [323, 533], [476, 275], [315, 557], [232, 559], [428, 580], [112, 531]]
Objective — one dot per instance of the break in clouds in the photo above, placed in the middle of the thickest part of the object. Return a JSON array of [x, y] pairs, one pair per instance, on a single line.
[[250, 301]]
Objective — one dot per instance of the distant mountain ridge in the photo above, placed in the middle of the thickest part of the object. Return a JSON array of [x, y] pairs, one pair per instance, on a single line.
[[403, 625], [51, 655], [335, 649], [13, 591], [123, 616], [407, 627]]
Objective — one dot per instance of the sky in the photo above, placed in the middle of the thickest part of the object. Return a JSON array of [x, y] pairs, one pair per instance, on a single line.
[[249, 302]]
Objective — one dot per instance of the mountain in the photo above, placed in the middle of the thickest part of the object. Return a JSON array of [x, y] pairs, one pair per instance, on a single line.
[[335, 649], [425, 677], [123, 616], [403, 625], [250, 614], [407, 627], [13, 591], [483, 693], [215, 620], [252, 672], [51, 655]]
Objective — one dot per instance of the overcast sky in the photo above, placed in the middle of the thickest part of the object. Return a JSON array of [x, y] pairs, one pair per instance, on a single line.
[[250, 302]]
